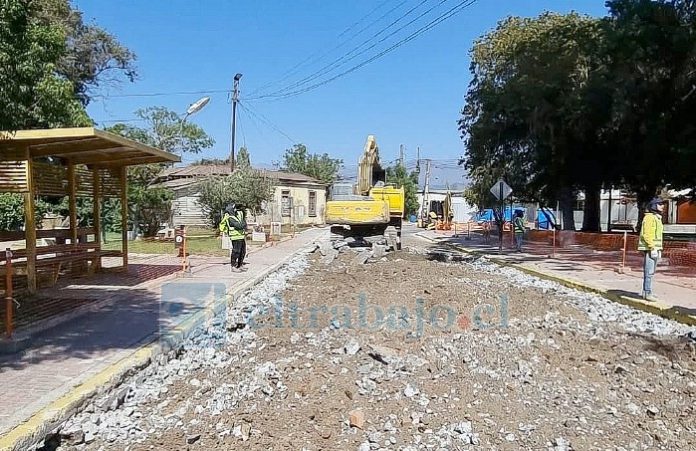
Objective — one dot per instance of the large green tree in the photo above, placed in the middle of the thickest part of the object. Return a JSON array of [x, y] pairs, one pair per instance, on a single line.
[[653, 61], [562, 104], [400, 177], [32, 94], [321, 167], [522, 120], [93, 57]]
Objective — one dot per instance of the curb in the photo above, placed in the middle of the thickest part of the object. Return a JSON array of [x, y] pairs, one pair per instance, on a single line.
[[43, 422], [656, 308]]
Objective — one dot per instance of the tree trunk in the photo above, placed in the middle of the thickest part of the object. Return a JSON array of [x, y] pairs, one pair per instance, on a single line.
[[566, 200], [591, 212]]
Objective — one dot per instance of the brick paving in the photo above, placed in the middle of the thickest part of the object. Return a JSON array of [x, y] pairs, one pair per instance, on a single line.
[[674, 285], [66, 355]]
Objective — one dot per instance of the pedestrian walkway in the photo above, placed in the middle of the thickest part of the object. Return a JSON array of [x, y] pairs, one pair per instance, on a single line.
[[68, 355], [673, 286]]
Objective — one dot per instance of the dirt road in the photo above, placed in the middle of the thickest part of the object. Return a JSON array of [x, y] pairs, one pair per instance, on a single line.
[[410, 353]]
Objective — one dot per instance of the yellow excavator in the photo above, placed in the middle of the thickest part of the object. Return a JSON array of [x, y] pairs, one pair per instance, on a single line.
[[370, 210]]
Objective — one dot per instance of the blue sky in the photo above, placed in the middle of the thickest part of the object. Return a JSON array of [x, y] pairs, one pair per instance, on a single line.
[[411, 96]]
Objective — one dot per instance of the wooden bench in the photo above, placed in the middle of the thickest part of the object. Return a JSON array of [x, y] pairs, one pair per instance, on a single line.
[[52, 259]]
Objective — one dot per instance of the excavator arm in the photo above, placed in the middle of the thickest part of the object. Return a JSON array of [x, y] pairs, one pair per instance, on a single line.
[[370, 171]]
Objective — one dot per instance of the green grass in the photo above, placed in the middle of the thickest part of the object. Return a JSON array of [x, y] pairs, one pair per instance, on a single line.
[[208, 244]]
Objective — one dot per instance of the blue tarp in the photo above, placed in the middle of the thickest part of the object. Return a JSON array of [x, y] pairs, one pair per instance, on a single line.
[[543, 219], [487, 214]]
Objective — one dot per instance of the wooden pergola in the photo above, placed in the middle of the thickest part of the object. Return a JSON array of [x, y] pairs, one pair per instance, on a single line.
[[69, 162]]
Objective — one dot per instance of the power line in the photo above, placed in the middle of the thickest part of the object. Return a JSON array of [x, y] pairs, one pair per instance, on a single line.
[[368, 15], [114, 121], [173, 93], [318, 55], [351, 55], [267, 121], [451, 12], [253, 122], [341, 61], [241, 127]]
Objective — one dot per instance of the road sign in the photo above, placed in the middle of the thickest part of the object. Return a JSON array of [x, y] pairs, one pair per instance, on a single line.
[[501, 190], [179, 238]]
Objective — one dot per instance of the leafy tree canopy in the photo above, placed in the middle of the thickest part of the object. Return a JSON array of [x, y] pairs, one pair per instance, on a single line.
[[93, 58], [243, 159], [32, 94], [399, 176], [560, 104], [246, 187], [321, 167], [166, 130]]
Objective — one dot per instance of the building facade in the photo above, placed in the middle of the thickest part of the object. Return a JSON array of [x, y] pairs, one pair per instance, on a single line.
[[298, 199]]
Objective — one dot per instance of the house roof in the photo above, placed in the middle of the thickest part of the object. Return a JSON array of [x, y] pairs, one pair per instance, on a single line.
[[295, 177], [196, 170], [178, 183], [205, 170], [82, 145]]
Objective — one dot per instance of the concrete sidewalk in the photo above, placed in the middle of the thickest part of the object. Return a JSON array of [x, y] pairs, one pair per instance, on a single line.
[[70, 362], [674, 287]]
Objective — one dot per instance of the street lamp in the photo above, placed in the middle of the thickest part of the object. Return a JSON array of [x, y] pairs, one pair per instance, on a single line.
[[235, 98], [194, 108]]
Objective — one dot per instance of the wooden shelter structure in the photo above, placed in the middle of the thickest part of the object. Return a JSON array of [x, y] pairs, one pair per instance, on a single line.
[[68, 162]]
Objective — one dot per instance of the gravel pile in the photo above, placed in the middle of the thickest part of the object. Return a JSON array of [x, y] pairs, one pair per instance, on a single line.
[[402, 352]]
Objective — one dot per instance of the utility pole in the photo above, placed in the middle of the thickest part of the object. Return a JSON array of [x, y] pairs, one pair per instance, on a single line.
[[426, 192], [418, 160], [401, 155], [235, 99]]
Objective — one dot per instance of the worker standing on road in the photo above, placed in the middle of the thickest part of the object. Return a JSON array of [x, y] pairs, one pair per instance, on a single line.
[[234, 225], [650, 243], [518, 223]]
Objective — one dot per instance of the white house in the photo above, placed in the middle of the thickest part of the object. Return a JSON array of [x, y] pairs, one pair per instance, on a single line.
[[298, 199]]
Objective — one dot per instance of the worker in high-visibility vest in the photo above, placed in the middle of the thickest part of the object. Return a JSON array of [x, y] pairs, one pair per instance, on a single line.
[[518, 224], [650, 243], [234, 225]]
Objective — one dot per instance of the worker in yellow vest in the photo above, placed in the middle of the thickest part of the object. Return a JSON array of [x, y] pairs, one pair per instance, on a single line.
[[650, 243], [518, 224], [234, 225]]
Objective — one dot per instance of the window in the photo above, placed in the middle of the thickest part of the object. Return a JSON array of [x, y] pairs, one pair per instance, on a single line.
[[312, 203], [285, 203]]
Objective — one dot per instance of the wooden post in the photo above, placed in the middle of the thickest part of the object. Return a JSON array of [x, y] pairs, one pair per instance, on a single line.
[[9, 326], [96, 214], [184, 260], [623, 258], [124, 216], [553, 250], [30, 227], [72, 201]]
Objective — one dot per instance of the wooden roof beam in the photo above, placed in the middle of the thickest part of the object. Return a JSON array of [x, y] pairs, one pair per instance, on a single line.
[[107, 157], [128, 162], [64, 148]]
